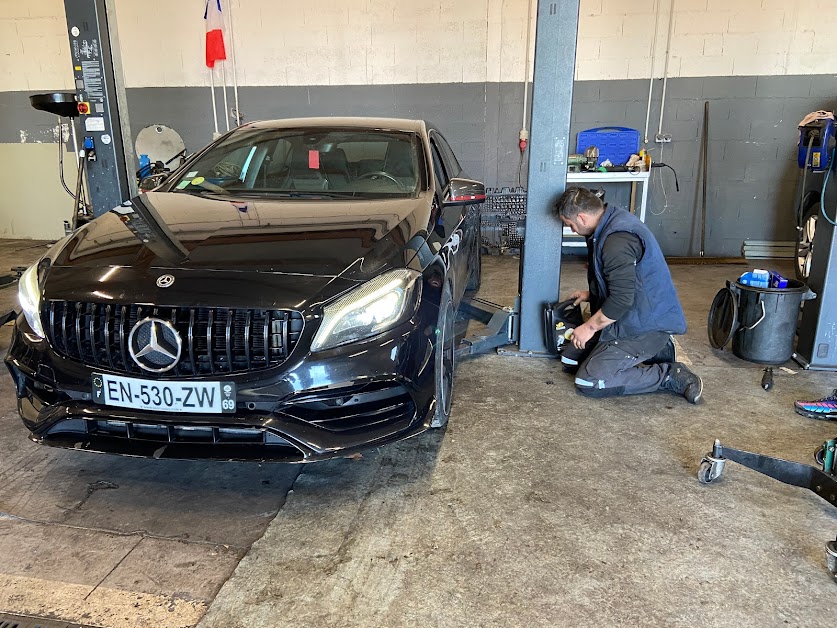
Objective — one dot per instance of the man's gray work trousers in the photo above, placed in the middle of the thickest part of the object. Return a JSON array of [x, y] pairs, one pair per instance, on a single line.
[[615, 367]]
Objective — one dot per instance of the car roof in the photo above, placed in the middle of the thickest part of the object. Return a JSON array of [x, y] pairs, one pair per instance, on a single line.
[[399, 124]]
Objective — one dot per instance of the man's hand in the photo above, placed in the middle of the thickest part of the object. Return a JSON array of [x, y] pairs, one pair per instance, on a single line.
[[580, 296], [582, 335]]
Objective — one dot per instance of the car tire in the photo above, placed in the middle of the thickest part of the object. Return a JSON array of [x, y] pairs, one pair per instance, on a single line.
[[445, 358], [805, 242], [475, 280]]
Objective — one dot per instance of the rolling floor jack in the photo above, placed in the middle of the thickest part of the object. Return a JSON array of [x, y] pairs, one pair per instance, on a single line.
[[822, 480]]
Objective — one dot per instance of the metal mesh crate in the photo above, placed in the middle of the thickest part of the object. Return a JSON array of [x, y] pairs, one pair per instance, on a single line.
[[503, 220]]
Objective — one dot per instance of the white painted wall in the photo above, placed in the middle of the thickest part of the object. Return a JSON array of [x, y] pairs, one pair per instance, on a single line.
[[340, 42], [710, 38], [360, 42], [34, 205], [34, 48], [333, 42]]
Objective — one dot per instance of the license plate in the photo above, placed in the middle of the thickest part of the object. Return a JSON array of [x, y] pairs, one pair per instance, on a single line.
[[144, 394]]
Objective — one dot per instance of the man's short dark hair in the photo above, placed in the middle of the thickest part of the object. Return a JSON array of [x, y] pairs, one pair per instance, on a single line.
[[576, 201]]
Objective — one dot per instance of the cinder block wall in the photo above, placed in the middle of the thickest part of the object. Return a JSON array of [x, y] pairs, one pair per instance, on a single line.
[[761, 64]]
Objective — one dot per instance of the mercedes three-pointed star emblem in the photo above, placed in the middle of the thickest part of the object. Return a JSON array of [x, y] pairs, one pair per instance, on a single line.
[[155, 345], [165, 281]]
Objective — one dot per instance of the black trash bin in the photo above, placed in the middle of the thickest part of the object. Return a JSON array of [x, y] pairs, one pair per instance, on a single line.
[[761, 322]]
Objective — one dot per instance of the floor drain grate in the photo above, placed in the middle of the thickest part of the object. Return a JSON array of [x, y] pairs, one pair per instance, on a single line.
[[22, 621]]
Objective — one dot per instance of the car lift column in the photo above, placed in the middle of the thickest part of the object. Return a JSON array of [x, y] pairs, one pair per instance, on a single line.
[[97, 69], [817, 346], [552, 91]]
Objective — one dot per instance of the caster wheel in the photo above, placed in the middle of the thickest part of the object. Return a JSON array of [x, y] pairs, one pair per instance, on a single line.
[[831, 559], [767, 380], [819, 455], [710, 471], [704, 473]]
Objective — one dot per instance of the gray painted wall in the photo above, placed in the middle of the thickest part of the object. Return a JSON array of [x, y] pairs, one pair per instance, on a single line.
[[460, 110], [752, 136], [752, 175]]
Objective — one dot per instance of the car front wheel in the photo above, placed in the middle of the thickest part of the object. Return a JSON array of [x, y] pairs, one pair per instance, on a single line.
[[445, 358]]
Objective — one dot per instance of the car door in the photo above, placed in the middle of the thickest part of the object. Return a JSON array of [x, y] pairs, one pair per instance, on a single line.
[[447, 232], [471, 224]]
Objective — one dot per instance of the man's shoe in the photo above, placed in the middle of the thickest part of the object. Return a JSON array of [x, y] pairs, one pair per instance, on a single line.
[[824, 409], [684, 382]]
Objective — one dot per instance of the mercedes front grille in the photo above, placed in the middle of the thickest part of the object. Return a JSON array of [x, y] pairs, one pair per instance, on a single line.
[[215, 340]]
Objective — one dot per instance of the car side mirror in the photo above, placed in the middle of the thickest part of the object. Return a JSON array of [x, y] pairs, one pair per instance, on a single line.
[[463, 192], [153, 181]]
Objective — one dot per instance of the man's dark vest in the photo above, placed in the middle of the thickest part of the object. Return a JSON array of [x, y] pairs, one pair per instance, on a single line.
[[656, 306]]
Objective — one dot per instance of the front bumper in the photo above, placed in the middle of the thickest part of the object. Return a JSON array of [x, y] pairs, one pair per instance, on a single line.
[[313, 407]]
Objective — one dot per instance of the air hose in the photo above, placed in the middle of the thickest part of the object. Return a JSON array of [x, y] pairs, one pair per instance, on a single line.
[[822, 194], [799, 210]]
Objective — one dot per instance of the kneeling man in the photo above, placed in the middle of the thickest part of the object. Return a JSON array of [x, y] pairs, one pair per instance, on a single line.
[[634, 304]]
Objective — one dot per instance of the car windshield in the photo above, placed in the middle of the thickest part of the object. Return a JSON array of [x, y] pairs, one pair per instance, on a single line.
[[308, 163]]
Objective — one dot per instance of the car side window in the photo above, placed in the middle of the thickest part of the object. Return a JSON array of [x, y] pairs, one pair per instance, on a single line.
[[438, 165], [453, 164]]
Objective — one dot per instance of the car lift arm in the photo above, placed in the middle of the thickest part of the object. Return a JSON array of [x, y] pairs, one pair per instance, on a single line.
[[500, 325]]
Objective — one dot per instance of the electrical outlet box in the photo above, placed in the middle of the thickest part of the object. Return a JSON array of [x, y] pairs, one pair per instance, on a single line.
[[662, 138]]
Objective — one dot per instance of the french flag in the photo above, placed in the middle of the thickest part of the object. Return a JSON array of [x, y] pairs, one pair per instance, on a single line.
[[215, 50]]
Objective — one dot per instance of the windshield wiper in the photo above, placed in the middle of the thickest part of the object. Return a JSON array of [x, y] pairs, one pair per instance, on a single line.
[[198, 191], [289, 194]]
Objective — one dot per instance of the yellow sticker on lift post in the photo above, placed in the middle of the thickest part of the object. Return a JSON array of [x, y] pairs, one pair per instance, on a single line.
[[815, 160]]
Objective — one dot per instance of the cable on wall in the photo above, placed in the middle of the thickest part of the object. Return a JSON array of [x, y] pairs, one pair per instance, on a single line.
[[665, 68], [657, 4], [237, 111], [523, 137]]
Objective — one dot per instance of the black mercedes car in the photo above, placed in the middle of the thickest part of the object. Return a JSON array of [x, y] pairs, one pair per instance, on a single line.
[[289, 293]]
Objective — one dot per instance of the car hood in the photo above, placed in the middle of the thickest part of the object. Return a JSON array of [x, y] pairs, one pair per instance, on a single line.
[[355, 239], [241, 253]]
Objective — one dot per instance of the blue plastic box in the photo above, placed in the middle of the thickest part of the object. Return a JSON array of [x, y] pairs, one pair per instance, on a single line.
[[777, 281], [616, 143]]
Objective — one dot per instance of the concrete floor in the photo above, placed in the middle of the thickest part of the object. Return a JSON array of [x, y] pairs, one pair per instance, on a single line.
[[535, 507], [111, 541]]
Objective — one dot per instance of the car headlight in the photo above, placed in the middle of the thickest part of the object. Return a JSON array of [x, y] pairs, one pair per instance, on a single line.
[[374, 307], [29, 296]]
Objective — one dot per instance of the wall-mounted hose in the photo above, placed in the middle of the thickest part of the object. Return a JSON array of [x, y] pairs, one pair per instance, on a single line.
[[824, 186], [799, 209]]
